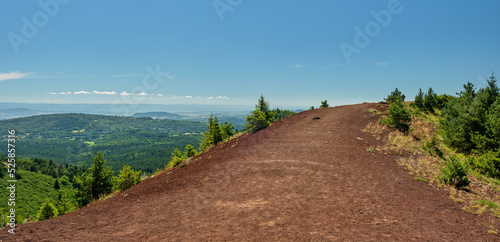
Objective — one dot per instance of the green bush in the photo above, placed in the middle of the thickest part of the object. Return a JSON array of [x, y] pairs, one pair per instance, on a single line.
[[454, 173], [398, 117], [432, 147], [324, 104], [128, 178], [487, 164]]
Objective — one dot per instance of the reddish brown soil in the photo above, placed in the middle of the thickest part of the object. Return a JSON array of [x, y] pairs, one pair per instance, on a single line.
[[300, 179]]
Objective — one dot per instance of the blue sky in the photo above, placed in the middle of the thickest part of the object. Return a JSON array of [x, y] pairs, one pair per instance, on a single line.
[[171, 52]]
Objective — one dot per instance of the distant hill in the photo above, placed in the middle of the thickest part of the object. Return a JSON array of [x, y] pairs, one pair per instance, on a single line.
[[9, 113], [159, 115], [144, 143]]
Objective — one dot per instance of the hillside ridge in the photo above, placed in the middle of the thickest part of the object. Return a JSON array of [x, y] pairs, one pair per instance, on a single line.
[[306, 177]]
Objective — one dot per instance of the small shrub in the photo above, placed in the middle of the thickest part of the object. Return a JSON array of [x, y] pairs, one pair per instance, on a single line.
[[432, 147], [324, 104], [128, 177], [398, 117], [454, 173], [487, 164]]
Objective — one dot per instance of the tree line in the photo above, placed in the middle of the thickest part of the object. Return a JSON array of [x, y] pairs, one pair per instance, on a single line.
[[469, 121]]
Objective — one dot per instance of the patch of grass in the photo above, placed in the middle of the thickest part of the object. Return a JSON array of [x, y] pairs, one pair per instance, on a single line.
[[376, 129], [489, 203], [374, 111], [91, 143], [370, 149], [420, 179], [492, 231]]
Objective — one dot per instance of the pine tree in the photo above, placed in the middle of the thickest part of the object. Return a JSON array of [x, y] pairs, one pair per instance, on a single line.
[[83, 184], [64, 205], [430, 100], [101, 177], [263, 106], [395, 95], [216, 132], [227, 130], [56, 185], [176, 159], [261, 117], [47, 211], [419, 99], [190, 151]]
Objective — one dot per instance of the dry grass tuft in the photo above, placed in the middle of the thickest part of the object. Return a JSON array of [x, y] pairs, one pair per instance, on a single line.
[[482, 195], [376, 129]]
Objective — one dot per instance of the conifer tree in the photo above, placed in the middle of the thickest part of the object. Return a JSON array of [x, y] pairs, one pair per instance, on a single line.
[[64, 205], [419, 99], [190, 151], [430, 100], [47, 211], [101, 177], [261, 117], [56, 185], [395, 95], [176, 159]]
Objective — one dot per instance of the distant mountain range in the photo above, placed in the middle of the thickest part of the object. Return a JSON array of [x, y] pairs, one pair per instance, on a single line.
[[159, 115], [16, 110]]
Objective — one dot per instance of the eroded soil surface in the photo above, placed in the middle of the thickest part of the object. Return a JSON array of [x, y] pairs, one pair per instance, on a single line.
[[303, 178]]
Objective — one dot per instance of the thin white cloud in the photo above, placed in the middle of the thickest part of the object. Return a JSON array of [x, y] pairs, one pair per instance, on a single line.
[[81, 92], [142, 94], [198, 97], [104, 93], [14, 75], [124, 93], [188, 96], [381, 64], [53, 93], [222, 97], [297, 66], [160, 95], [65, 93], [210, 98]]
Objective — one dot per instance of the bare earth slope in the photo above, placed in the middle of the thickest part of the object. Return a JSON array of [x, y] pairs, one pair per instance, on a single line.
[[300, 179]]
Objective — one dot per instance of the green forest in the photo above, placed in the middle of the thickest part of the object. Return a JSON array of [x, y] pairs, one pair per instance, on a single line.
[[143, 143], [65, 161]]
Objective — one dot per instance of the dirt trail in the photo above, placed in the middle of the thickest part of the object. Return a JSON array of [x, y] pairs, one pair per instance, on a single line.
[[301, 179]]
